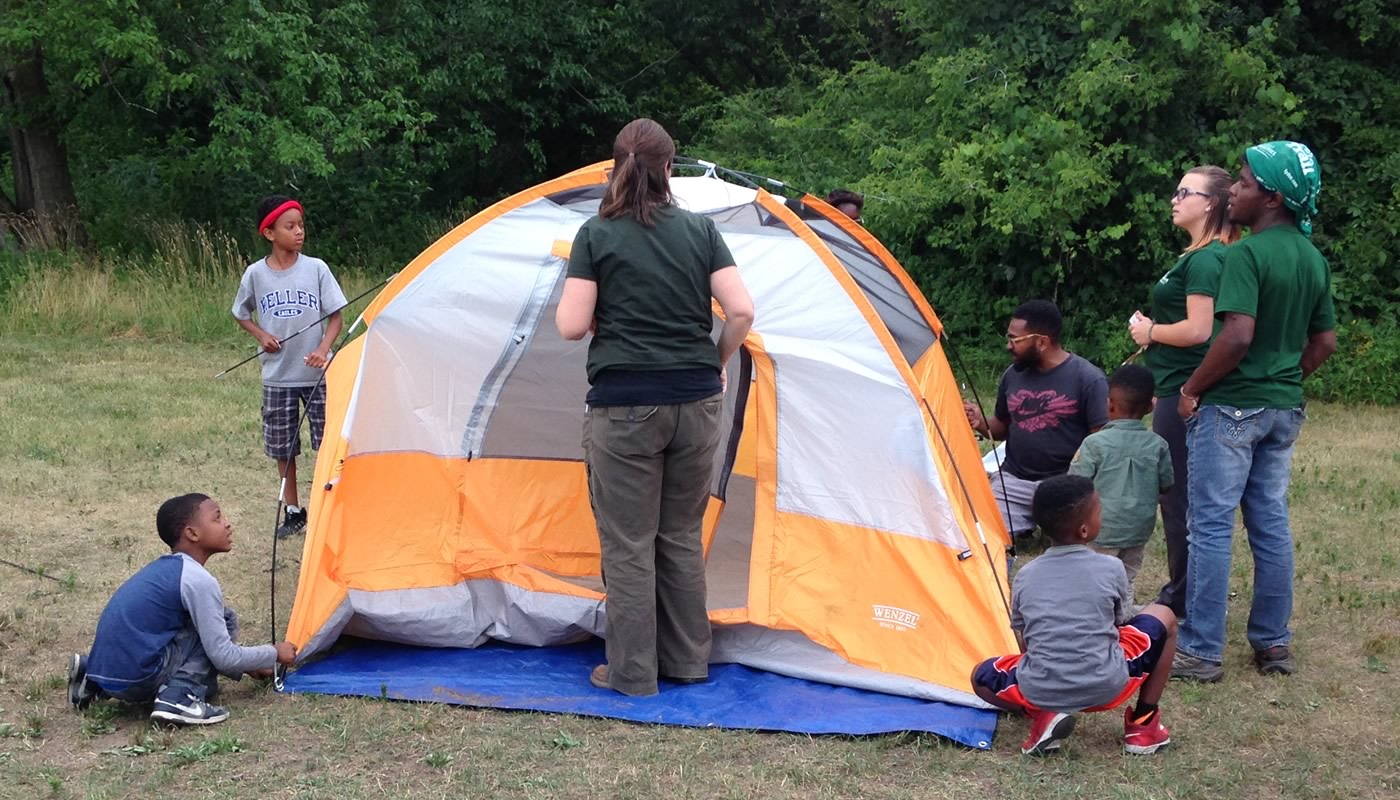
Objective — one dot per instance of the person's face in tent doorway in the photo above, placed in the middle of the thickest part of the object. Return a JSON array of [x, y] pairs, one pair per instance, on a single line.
[[850, 210]]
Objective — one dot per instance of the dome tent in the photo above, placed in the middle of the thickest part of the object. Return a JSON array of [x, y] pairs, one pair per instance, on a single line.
[[851, 535]]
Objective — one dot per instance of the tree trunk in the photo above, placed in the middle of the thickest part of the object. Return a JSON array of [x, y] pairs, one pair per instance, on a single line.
[[24, 189], [7, 207], [43, 184]]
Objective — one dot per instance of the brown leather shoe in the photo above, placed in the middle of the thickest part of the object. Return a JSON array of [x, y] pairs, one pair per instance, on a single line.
[[599, 676]]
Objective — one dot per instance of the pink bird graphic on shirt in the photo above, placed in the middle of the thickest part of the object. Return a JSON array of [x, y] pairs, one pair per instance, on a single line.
[[1035, 411]]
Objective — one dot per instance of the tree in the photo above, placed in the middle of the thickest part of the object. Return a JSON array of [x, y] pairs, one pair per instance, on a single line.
[[43, 186], [379, 116], [1029, 149]]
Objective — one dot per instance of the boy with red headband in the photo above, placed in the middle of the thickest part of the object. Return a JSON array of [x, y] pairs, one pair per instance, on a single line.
[[289, 291]]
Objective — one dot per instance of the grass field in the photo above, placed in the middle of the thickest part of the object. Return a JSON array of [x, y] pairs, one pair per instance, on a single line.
[[96, 430]]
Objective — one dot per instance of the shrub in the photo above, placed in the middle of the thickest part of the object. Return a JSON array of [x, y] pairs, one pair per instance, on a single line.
[[1366, 366]]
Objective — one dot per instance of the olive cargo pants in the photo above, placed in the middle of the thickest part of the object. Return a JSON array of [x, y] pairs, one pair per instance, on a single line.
[[650, 473]]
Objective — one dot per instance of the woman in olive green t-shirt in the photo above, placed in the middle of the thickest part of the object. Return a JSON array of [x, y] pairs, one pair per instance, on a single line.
[[1177, 336], [641, 277]]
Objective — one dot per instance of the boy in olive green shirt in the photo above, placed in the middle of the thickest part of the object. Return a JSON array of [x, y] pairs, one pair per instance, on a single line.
[[1130, 466]]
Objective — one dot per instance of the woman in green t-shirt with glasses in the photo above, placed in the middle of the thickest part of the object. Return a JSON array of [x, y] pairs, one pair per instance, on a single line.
[[1177, 337]]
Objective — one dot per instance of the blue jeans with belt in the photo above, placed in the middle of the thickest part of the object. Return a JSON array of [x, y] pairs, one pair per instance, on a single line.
[[1239, 458]]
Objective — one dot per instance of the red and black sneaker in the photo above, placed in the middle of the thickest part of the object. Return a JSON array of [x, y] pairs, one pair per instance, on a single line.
[[1144, 738], [1048, 729]]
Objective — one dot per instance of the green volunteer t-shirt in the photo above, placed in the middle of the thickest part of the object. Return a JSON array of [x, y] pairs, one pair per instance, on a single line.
[[1196, 272], [1278, 277], [653, 311]]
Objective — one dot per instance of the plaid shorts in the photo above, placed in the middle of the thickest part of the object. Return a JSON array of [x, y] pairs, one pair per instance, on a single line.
[[281, 410]]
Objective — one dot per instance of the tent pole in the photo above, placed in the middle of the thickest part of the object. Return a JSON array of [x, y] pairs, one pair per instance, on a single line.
[[1006, 502], [977, 523], [280, 671], [309, 326]]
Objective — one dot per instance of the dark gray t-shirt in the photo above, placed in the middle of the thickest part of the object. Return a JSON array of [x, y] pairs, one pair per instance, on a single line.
[[285, 301], [1048, 414], [1067, 604]]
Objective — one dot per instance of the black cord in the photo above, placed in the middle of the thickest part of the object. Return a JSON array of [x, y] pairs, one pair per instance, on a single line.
[[1001, 476], [40, 573], [301, 417], [957, 470]]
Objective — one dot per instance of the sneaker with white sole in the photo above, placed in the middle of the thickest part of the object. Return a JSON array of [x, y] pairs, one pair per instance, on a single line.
[[1187, 667], [79, 695], [187, 710], [1048, 729], [1144, 738], [293, 522]]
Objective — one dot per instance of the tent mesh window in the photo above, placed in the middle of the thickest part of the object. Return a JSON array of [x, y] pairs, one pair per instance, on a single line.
[[892, 302]]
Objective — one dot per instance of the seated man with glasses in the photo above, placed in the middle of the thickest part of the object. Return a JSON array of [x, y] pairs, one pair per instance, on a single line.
[[1047, 402]]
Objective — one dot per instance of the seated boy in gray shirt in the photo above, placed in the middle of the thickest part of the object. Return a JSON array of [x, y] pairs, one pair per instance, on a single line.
[[1080, 650]]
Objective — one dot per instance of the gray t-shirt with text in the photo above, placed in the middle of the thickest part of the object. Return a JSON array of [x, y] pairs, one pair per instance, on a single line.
[[1067, 605], [285, 301]]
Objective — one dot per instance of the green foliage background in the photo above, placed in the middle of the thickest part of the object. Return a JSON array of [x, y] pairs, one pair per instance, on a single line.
[[1007, 149]]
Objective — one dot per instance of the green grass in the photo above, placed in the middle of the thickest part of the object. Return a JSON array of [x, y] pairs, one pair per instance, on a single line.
[[181, 292], [95, 432]]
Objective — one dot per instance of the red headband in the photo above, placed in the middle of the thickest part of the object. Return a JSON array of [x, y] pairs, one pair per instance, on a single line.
[[277, 212]]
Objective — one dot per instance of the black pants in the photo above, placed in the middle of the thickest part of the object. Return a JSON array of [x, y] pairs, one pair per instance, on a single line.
[[1169, 425]]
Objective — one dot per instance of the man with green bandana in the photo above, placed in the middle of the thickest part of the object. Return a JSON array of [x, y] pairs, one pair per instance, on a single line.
[[1243, 407]]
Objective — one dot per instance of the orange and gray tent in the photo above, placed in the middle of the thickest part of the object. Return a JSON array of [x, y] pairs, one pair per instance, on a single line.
[[851, 536]]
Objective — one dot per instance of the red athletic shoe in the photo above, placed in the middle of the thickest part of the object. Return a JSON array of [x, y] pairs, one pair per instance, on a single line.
[[1048, 729], [1147, 738]]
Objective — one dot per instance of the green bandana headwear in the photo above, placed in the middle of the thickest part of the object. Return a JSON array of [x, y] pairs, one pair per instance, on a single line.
[[1290, 169]]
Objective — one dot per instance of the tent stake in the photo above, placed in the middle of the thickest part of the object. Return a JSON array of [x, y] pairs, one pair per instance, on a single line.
[[22, 567]]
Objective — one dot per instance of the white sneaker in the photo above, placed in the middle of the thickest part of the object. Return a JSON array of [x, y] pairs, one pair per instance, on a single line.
[[79, 696], [189, 710]]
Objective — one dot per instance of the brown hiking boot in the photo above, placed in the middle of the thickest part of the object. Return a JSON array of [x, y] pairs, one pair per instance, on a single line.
[[1276, 660]]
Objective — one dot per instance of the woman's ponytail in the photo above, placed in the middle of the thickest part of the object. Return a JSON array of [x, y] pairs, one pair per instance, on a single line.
[[641, 176]]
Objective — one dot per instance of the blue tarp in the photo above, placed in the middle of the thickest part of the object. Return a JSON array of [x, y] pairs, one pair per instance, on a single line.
[[556, 679]]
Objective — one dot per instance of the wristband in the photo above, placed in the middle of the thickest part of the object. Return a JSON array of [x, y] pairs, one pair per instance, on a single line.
[[1195, 399], [1149, 332]]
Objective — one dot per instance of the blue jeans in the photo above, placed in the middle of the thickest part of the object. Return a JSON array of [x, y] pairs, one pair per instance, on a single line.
[[184, 670], [1239, 457]]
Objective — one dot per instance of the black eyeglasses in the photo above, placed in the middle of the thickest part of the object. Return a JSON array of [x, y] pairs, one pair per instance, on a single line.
[[1183, 193]]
